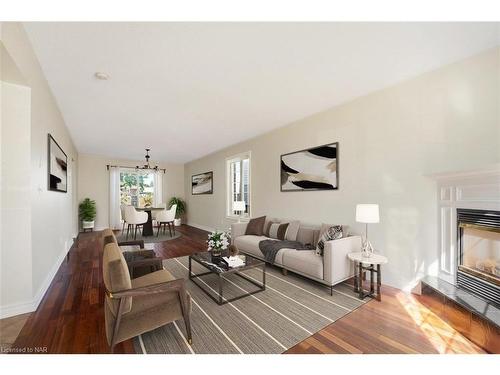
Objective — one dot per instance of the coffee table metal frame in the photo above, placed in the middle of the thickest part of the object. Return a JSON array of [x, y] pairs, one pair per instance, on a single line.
[[219, 298]]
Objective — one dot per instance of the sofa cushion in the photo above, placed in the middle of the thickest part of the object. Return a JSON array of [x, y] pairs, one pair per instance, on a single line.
[[304, 261], [292, 230], [308, 235], [250, 245], [256, 226]]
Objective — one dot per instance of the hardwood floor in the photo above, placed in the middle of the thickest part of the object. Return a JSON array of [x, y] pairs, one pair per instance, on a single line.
[[70, 318], [9, 330], [397, 324]]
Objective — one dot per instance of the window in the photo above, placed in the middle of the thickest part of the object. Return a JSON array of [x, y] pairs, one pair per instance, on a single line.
[[238, 183], [137, 189]]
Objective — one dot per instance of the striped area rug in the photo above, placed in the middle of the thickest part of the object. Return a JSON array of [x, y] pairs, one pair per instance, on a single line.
[[291, 309]]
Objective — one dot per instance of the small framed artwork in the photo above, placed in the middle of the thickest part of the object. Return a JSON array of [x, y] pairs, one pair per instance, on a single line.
[[315, 168], [57, 167], [202, 183]]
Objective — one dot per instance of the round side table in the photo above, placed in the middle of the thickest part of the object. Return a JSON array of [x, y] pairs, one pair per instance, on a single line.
[[371, 264]]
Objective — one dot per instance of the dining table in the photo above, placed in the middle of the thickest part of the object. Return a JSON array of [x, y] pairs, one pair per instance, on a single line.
[[147, 228]]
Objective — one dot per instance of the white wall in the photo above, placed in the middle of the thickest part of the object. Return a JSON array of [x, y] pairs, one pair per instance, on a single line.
[[388, 142], [52, 220], [93, 182], [16, 275]]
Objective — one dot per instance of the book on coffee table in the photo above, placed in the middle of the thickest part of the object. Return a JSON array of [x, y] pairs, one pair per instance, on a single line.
[[234, 261]]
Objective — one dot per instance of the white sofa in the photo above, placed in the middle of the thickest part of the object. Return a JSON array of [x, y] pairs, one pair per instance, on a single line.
[[330, 269]]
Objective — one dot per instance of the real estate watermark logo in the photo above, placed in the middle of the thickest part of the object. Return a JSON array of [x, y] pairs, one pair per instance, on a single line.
[[23, 350]]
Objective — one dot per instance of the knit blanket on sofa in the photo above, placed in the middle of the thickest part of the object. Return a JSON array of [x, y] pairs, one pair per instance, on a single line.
[[270, 248]]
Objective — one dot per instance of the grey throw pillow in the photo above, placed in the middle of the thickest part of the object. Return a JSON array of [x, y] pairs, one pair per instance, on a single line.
[[256, 226], [334, 232]]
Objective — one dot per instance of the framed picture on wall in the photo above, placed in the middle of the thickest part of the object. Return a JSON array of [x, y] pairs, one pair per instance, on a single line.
[[202, 183], [311, 169], [57, 167]]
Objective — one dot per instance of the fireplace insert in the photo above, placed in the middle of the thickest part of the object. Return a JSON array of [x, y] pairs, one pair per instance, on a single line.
[[478, 265]]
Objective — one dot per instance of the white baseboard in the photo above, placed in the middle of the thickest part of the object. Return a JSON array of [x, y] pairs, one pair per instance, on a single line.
[[203, 227], [32, 305], [17, 309]]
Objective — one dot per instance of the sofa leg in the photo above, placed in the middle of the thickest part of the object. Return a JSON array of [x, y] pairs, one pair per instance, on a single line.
[[331, 290], [284, 271]]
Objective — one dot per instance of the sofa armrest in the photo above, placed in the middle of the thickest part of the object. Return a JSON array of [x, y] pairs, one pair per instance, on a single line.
[[238, 229], [336, 265]]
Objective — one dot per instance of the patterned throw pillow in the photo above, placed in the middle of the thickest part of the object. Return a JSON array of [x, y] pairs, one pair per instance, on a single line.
[[267, 227], [334, 232], [278, 231]]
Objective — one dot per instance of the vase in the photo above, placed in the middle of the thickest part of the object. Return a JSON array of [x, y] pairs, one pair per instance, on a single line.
[[216, 252], [87, 224]]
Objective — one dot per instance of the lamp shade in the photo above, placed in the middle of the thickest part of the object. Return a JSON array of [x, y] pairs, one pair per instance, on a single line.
[[239, 206], [367, 213]]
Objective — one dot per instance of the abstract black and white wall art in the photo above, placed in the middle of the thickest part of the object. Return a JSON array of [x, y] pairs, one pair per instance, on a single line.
[[312, 169], [202, 183], [57, 167]]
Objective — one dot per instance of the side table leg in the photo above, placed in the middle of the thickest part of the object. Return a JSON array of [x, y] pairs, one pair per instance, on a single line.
[[360, 286], [372, 280], [379, 282], [356, 282]]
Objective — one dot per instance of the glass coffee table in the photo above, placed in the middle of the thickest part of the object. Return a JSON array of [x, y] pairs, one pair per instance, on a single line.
[[216, 266]]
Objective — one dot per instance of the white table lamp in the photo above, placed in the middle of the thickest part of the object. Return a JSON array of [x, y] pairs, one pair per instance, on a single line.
[[239, 206], [367, 214]]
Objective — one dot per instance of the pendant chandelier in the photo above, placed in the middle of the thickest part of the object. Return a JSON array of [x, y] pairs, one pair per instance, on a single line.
[[147, 165]]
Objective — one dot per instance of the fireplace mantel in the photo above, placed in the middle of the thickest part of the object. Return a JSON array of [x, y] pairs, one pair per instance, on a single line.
[[488, 171], [473, 189]]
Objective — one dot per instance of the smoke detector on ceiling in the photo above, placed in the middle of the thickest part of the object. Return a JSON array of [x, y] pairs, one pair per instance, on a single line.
[[102, 76]]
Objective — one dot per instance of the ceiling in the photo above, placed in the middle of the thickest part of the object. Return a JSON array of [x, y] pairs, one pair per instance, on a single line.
[[188, 89]]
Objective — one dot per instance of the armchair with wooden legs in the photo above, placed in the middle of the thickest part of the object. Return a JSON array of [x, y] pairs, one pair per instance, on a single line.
[[133, 307]]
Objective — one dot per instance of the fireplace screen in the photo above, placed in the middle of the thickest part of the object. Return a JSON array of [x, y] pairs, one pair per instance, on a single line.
[[480, 253]]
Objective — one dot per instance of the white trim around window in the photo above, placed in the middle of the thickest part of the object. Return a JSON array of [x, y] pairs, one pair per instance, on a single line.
[[230, 184]]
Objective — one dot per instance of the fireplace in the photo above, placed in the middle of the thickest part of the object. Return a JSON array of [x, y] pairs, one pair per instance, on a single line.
[[478, 265]]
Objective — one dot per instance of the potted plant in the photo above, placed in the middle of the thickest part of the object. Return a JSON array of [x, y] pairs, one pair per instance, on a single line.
[[87, 211], [217, 242], [181, 209]]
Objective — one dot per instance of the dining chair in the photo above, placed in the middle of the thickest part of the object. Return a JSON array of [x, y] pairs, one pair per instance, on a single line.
[[154, 213], [122, 214], [165, 218], [134, 219]]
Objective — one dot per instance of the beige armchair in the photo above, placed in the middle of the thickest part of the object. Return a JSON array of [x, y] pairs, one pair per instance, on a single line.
[[133, 307]]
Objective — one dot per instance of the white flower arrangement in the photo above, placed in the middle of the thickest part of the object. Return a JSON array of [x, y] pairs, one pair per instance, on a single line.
[[218, 240]]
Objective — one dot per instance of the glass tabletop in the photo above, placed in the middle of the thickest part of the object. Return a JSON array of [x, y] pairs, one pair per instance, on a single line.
[[217, 264]]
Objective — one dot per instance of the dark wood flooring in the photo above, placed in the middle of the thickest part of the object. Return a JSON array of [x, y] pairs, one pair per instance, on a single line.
[[70, 318]]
